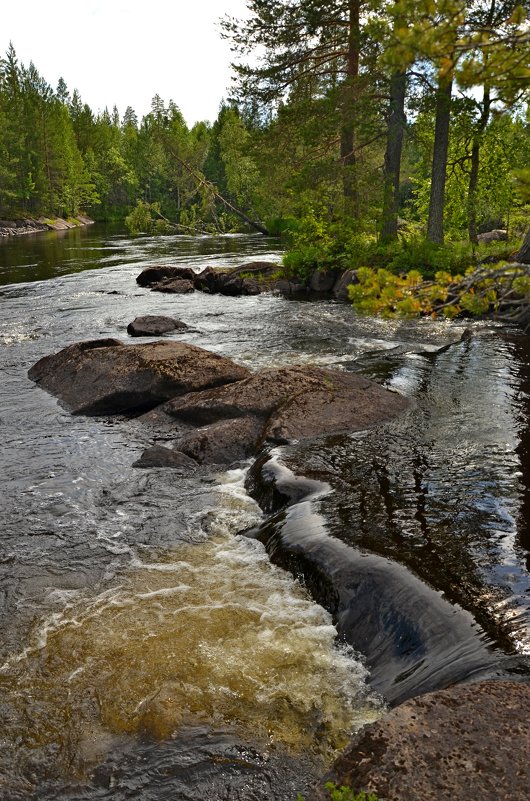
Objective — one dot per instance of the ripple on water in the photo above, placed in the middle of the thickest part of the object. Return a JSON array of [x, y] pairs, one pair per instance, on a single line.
[[209, 634]]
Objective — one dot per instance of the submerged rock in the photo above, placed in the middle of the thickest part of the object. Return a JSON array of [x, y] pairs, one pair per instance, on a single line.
[[465, 742], [154, 326], [413, 640], [107, 377]]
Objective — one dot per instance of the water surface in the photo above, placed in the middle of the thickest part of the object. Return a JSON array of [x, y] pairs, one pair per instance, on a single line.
[[148, 650]]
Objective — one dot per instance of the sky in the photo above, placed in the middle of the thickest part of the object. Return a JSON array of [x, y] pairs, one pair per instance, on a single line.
[[123, 53]]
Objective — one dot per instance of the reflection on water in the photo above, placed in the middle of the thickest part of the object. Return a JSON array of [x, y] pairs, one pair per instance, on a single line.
[[441, 489], [100, 561], [37, 257]]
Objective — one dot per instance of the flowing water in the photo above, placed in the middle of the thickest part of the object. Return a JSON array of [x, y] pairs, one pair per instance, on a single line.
[[149, 650]]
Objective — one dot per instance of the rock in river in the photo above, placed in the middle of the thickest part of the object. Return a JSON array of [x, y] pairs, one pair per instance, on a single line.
[[107, 377], [277, 406], [154, 326], [465, 742]]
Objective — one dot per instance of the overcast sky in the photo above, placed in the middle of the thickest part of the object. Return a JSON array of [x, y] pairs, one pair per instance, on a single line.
[[123, 53]]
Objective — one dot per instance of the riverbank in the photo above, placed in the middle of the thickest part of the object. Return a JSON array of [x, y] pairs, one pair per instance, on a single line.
[[27, 225]]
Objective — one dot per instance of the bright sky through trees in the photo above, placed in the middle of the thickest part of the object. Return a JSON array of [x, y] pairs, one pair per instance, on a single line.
[[124, 52]]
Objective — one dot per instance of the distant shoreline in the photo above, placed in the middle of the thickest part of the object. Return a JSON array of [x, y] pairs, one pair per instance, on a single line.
[[27, 225]]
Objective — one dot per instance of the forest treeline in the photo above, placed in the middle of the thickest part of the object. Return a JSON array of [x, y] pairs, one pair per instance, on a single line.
[[349, 122]]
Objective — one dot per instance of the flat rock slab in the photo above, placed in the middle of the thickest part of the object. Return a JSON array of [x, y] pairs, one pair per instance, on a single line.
[[467, 742], [343, 402], [108, 377], [154, 326], [277, 406]]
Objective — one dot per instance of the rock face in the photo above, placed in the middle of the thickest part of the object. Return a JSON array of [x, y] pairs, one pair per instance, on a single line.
[[275, 406], [107, 377], [154, 326], [343, 402], [465, 742], [224, 442]]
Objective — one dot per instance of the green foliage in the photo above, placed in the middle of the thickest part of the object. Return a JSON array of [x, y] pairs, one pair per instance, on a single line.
[[145, 219], [343, 793], [321, 242], [282, 226], [477, 292]]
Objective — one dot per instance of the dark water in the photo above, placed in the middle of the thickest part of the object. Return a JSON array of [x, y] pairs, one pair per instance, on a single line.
[[150, 652]]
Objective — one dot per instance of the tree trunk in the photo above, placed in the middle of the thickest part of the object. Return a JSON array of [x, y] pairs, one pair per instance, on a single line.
[[394, 145], [347, 138], [523, 254], [475, 164], [435, 224]]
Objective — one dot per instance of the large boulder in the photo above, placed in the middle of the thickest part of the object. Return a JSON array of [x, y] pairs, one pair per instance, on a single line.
[[322, 281], [154, 326], [108, 377], [343, 401], [465, 742], [276, 405]]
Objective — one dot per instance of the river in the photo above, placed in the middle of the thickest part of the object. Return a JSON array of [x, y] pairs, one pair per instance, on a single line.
[[149, 650]]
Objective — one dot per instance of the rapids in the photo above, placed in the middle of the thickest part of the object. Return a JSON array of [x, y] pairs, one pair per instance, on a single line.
[[148, 649]]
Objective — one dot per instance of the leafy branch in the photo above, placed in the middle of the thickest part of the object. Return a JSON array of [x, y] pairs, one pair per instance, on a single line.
[[502, 290]]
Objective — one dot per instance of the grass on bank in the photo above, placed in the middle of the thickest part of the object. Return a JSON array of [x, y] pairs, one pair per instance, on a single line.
[[413, 276], [344, 793]]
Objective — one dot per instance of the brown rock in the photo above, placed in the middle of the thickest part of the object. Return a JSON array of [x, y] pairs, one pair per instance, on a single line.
[[206, 281], [285, 287], [159, 272], [224, 442], [466, 742], [154, 326], [343, 402], [158, 456], [340, 289], [107, 377], [259, 394], [175, 286], [287, 403]]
